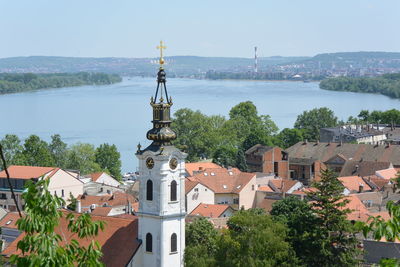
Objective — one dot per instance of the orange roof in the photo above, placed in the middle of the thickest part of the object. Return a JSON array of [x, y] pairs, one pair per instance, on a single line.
[[387, 173], [28, 172], [189, 185], [265, 188], [9, 220], [353, 183], [118, 240], [117, 199], [210, 210], [101, 211], [95, 176], [199, 166], [283, 185], [359, 211], [221, 180]]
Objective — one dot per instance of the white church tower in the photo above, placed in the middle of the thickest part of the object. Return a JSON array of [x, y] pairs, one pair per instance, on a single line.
[[162, 188]]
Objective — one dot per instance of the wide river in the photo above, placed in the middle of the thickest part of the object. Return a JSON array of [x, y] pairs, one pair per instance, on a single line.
[[120, 114]]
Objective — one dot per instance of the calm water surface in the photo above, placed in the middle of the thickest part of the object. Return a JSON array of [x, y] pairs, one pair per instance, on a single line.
[[120, 114]]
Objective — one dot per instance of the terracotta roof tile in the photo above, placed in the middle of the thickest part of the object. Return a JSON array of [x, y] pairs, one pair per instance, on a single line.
[[221, 180], [387, 173], [265, 188], [117, 199], [363, 168], [118, 240], [353, 183], [101, 211], [9, 220], [95, 176], [189, 185], [28, 172], [358, 210], [282, 185], [199, 166], [210, 210]]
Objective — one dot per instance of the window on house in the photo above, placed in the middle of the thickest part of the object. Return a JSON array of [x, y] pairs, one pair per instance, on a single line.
[[62, 192], [149, 190], [108, 191], [174, 243], [276, 168], [149, 242], [252, 187], [196, 190], [173, 191], [3, 196], [235, 201]]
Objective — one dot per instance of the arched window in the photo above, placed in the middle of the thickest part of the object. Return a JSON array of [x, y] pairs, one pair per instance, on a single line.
[[174, 242], [173, 191], [149, 190], [149, 242]]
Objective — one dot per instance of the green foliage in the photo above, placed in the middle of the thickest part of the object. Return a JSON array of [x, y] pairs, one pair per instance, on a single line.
[[36, 152], [223, 140], [72, 202], [389, 263], [335, 235], [108, 157], [12, 150], [22, 82], [82, 157], [58, 150], [387, 84], [302, 224], [288, 137], [41, 245], [313, 120]]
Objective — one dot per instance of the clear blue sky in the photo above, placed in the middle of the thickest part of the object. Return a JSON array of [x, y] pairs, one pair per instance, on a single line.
[[132, 28]]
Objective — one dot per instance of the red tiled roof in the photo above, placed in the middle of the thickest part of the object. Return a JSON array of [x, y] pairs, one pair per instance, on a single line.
[[359, 211], [189, 185], [210, 210], [265, 188], [117, 199], [9, 220], [387, 173], [199, 166], [353, 183], [222, 180], [118, 240], [101, 211], [95, 176], [28, 172], [283, 185]]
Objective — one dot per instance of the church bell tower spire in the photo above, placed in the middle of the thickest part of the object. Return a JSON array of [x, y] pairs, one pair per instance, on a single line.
[[161, 187]]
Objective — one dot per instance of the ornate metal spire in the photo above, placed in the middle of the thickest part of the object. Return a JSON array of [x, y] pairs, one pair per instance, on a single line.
[[161, 134]]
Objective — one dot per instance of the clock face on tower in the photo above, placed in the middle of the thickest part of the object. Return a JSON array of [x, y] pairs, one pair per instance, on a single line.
[[173, 163], [150, 163]]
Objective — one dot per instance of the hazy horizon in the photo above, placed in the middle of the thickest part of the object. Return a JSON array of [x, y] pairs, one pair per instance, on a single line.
[[100, 28]]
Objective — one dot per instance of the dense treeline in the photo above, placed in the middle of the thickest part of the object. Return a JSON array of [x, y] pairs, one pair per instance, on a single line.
[[273, 76], [387, 84], [81, 156], [22, 82]]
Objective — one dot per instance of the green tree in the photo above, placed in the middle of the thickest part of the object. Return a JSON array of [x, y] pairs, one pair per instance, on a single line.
[[41, 245], [302, 224], [225, 156], [254, 239], [58, 150], [36, 152], [82, 157], [108, 157], [12, 150], [312, 121], [335, 234], [364, 116], [288, 137]]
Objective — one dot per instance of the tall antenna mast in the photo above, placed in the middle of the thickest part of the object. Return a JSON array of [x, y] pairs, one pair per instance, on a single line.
[[255, 60]]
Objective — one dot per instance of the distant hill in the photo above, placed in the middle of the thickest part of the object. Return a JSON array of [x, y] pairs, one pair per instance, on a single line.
[[193, 65]]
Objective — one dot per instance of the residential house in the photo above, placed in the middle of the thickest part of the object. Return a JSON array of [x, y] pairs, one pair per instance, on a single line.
[[361, 134], [268, 160], [354, 184], [61, 183], [9, 229], [103, 178], [362, 168], [230, 186], [197, 193], [212, 210], [305, 170], [388, 173]]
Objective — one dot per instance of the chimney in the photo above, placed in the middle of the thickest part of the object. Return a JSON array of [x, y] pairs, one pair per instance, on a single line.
[[78, 207], [361, 188], [200, 168]]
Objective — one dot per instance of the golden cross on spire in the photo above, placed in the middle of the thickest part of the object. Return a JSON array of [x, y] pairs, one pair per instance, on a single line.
[[161, 47]]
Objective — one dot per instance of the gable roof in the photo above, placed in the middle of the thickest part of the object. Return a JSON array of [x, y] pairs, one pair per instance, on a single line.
[[325, 151], [117, 199], [353, 183], [363, 168], [189, 185], [221, 180], [101, 211], [192, 167], [387, 173], [210, 210], [95, 176], [358, 210], [282, 185], [28, 172], [118, 240], [9, 220], [258, 149], [265, 188]]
